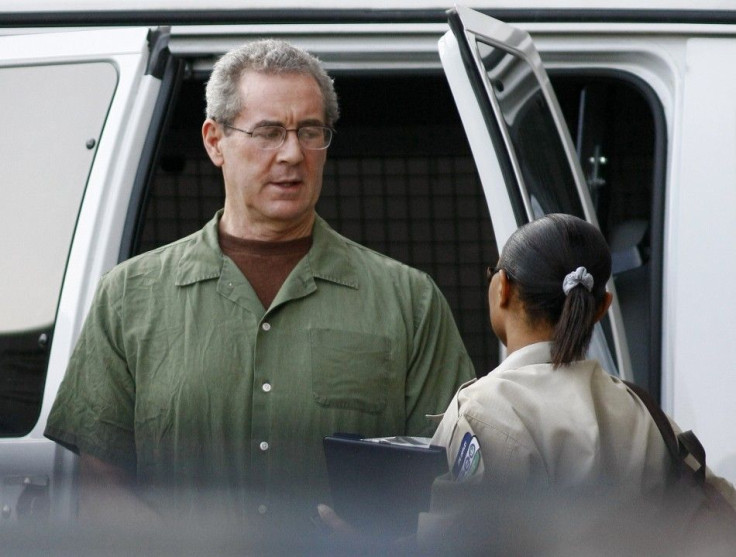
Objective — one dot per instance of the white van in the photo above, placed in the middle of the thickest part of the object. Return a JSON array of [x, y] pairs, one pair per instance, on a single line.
[[450, 122]]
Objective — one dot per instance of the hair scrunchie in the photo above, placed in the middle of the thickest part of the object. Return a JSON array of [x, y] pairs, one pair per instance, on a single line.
[[578, 276]]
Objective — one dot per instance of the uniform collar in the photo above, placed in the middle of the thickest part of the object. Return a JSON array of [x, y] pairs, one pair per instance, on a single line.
[[537, 353], [328, 259]]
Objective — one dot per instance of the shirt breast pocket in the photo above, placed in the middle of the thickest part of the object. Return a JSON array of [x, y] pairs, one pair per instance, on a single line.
[[350, 370]]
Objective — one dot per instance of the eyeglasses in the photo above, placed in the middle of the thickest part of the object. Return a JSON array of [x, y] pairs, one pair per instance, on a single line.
[[490, 271], [314, 138]]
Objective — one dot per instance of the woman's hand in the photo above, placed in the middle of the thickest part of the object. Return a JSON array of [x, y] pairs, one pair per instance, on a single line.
[[336, 524]]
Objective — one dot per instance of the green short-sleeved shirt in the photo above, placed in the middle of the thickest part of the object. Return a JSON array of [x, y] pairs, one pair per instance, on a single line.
[[181, 375]]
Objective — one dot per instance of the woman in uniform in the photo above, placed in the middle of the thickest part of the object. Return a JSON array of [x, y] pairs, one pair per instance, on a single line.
[[546, 423], [547, 416]]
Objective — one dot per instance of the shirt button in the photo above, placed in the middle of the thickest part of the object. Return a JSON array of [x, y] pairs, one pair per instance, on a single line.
[[266, 387], [264, 446], [262, 509], [266, 326]]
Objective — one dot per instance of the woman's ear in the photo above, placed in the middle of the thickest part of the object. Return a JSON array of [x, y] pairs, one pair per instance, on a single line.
[[603, 308], [504, 289]]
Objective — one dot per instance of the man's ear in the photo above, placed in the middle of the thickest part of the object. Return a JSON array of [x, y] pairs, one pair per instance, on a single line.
[[603, 308], [212, 134]]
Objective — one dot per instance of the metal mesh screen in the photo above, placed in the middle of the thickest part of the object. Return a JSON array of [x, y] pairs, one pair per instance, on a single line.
[[430, 213], [181, 202]]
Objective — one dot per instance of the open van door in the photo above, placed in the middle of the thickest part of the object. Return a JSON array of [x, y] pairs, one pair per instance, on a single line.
[[521, 145], [74, 109]]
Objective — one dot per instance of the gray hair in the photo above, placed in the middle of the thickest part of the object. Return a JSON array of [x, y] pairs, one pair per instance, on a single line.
[[267, 56]]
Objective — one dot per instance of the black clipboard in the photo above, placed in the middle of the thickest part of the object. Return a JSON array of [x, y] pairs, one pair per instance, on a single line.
[[380, 488]]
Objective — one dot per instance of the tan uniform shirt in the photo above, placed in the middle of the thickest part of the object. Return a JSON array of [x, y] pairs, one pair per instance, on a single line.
[[570, 426], [520, 439]]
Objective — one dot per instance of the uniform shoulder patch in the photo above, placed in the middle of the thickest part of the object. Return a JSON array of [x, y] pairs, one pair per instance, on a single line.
[[467, 458]]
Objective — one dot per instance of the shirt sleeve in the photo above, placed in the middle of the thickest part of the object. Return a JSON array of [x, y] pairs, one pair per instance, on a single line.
[[94, 409], [439, 363], [481, 448]]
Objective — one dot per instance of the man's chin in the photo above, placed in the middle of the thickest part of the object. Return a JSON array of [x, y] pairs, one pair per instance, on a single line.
[[289, 216]]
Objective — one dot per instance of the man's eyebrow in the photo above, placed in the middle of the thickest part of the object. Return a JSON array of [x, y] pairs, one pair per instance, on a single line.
[[311, 122], [268, 123], [302, 123]]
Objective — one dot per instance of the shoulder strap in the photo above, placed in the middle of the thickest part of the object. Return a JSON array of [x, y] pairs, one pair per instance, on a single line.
[[691, 445], [659, 417], [679, 446]]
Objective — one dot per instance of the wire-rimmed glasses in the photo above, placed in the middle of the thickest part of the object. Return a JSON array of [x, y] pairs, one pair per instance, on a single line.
[[270, 137]]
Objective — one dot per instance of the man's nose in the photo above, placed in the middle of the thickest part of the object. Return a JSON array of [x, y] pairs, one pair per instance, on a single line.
[[291, 149]]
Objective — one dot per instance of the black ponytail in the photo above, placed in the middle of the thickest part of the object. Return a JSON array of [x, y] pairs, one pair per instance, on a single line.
[[538, 257], [574, 328]]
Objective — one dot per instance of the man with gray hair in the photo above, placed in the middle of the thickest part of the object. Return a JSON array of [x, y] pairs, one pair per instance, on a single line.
[[219, 362]]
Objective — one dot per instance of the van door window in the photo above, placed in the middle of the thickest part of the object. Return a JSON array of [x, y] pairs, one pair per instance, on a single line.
[[56, 114], [496, 73], [546, 172]]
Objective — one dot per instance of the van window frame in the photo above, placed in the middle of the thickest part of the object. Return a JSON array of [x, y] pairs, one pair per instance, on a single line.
[[171, 80]]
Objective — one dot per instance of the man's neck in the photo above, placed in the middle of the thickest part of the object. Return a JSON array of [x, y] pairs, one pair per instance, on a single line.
[[265, 231]]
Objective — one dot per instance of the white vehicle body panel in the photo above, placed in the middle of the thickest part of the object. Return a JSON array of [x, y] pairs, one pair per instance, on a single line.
[[33, 459], [702, 262]]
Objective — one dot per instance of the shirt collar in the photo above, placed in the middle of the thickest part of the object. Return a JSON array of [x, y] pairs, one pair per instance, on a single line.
[[537, 353], [202, 259], [328, 257]]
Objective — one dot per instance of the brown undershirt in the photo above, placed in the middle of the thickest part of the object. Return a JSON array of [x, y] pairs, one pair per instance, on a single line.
[[265, 264]]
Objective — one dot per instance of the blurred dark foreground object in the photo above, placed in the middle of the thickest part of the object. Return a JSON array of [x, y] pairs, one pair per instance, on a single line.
[[602, 522], [487, 522]]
